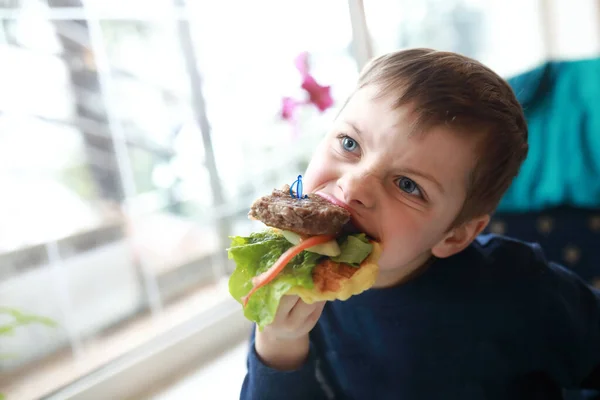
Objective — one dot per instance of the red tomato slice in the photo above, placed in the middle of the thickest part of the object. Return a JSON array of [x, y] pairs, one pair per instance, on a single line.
[[270, 274]]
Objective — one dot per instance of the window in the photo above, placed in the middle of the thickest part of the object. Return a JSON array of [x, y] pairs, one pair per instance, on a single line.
[[132, 143]]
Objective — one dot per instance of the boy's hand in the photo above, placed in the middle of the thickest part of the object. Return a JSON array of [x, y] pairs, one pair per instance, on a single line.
[[294, 319], [284, 343]]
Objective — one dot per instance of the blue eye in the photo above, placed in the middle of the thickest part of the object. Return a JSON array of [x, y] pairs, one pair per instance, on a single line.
[[349, 144], [409, 186]]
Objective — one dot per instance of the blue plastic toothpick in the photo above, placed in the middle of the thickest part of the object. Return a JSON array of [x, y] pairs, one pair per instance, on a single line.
[[298, 184]]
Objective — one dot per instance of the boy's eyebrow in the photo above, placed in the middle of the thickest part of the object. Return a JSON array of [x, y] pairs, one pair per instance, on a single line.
[[355, 128], [424, 176]]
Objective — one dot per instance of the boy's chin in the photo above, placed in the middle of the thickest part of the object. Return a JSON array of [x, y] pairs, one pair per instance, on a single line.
[[393, 271], [389, 276]]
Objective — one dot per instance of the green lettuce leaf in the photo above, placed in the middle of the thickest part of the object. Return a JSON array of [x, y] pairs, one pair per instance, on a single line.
[[355, 248], [256, 253]]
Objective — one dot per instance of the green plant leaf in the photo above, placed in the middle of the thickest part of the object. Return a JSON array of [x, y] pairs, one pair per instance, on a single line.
[[22, 318], [6, 330]]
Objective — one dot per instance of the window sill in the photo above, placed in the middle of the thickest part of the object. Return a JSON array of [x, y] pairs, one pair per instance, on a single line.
[[148, 349], [152, 366]]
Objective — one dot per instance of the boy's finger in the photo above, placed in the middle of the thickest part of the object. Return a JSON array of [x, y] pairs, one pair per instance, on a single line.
[[286, 304], [301, 311], [316, 314]]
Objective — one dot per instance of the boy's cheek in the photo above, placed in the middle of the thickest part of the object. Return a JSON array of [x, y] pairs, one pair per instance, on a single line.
[[401, 254], [405, 236]]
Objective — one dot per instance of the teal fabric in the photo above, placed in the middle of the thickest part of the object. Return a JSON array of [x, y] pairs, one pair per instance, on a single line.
[[561, 100]]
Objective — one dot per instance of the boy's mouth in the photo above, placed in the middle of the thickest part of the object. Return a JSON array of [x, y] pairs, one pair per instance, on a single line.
[[354, 226], [350, 227], [334, 200]]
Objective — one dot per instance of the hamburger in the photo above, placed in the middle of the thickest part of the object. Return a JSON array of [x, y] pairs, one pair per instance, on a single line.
[[308, 248]]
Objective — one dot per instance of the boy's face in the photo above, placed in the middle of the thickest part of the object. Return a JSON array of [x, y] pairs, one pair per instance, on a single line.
[[404, 191]]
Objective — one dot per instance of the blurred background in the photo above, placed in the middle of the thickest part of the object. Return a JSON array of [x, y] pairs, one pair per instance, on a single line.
[[134, 134]]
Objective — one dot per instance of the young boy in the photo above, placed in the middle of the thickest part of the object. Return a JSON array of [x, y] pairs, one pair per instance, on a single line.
[[421, 153]]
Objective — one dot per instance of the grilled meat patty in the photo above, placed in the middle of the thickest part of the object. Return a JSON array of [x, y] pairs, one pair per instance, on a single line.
[[309, 216]]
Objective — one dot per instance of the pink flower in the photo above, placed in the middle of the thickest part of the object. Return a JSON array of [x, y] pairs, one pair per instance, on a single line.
[[288, 107], [302, 63], [319, 95]]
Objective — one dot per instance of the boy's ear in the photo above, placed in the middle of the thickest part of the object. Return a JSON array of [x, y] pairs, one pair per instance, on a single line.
[[460, 237]]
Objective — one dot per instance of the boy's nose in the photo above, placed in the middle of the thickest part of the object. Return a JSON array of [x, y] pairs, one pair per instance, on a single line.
[[358, 189]]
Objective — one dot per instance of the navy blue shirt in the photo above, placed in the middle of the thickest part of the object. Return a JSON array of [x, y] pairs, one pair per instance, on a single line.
[[496, 321]]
